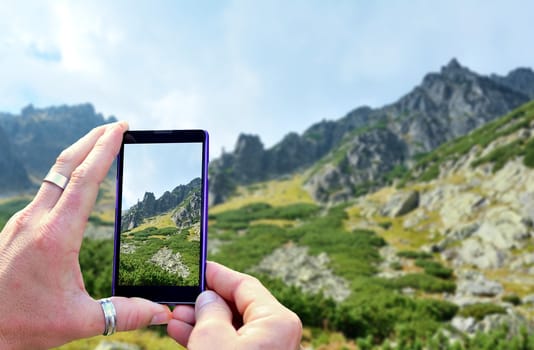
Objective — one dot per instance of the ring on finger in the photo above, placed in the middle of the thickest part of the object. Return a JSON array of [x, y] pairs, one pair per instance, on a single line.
[[56, 179], [110, 316]]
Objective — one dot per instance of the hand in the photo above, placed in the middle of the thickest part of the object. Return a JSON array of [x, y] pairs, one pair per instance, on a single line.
[[266, 324], [43, 301]]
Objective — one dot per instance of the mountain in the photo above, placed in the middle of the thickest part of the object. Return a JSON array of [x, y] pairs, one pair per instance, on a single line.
[[185, 199], [359, 151], [13, 176], [38, 135]]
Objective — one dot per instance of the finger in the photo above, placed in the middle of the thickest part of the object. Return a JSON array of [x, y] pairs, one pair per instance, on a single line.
[[184, 313], [132, 313], [238, 288], [75, 205], [65, 164], [179, 331], [213, 322]]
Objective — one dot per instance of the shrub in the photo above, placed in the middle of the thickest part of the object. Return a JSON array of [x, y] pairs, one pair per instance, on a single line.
[[424, 282], [481, 310], [512, 299], [434, 268]]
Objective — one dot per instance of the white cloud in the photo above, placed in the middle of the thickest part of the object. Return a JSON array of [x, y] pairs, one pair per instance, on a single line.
[[259, 67]]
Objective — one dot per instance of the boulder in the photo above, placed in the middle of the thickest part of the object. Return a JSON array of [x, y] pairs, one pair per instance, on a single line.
[[401, 203], [473, 283], [295, 267]]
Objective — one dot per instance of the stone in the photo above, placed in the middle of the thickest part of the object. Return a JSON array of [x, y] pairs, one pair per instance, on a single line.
[[170, 262], [464, 324], [401, 204], [474, 283], [295, 267]]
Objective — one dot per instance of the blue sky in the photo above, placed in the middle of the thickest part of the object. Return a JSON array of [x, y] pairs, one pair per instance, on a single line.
[[158, 168], [261, 67]]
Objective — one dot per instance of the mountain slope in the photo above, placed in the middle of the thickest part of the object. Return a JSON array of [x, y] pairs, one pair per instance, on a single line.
[[186, 196], [445, 105], [37, 136]]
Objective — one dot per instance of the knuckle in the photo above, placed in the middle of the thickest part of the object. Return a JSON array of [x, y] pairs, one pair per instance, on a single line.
[[64, 158]]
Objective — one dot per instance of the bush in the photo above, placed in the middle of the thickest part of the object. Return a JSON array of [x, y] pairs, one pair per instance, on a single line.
[[424, 282], [512, 299], [434, 268], [481, 310]]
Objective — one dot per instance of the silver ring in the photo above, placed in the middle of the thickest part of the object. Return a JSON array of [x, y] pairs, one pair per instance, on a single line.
[[57, 179], [110, 316]]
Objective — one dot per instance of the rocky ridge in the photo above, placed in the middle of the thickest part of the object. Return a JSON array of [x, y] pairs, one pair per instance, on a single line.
[[360, 149], [184, 200], [32, 140]]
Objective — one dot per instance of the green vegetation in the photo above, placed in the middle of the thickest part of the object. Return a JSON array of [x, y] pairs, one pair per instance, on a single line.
[[10, 207], [135, 267], [481, 310], [375, 307], [427, 166]]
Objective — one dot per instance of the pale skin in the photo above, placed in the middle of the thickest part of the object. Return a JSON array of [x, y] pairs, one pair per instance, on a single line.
[[43, 301]]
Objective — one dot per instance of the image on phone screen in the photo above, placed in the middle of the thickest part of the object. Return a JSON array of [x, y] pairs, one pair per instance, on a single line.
[[160, 232]]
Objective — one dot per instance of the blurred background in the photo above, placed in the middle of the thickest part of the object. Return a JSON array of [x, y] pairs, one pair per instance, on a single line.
[[371, 162]]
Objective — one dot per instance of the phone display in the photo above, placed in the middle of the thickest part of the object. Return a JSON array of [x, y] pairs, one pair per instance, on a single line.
[[161, 216]]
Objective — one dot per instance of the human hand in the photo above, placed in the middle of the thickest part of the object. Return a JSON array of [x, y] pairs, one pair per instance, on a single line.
[[263, 323], [43, 301]]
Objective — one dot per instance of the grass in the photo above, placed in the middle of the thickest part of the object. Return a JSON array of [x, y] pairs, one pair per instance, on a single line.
[[145, 339], [274, 193]]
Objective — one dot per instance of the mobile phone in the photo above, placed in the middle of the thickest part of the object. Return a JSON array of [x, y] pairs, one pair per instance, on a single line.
[[161, 215]]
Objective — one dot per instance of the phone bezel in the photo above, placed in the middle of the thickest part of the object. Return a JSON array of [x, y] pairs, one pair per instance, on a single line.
[[163, 294]]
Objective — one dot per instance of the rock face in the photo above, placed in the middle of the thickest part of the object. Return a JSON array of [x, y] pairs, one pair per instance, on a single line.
[[13, 176], [170, 262], [37, 136], [360, 149], [186, 196], [296, 268]]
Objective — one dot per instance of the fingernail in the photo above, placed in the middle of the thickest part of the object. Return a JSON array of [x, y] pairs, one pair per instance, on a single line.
[[160, 318], [206, 298]]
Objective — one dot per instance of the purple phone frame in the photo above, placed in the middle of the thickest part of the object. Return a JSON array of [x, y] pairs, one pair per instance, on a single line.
[[163, 294]]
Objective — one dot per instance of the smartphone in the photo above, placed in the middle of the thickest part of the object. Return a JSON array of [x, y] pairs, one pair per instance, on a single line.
[[161, 215]]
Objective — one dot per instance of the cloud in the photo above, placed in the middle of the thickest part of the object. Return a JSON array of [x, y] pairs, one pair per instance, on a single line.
[[237, 66]]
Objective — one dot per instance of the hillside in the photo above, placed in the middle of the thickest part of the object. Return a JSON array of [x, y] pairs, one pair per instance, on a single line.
[[160, 239], [456, 240], [357, 152], [31, 141]]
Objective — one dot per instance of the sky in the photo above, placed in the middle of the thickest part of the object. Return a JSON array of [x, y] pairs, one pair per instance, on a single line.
[[158, 168], [258, 67]]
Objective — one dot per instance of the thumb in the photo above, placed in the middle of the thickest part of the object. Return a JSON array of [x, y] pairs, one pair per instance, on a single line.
[[134, 313], [213, 322]]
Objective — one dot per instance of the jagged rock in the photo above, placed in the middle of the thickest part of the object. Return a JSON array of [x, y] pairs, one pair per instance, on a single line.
[[38, 135], [185, 198], [114, 345], [455, 235], [170, 262], [295, 267], [401, 203]]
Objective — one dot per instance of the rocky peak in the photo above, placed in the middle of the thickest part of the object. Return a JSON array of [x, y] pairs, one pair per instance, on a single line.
[[520, 79], [182, 195]]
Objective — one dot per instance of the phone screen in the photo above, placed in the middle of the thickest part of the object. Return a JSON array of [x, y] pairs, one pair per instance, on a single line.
[[161, 215]]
